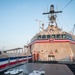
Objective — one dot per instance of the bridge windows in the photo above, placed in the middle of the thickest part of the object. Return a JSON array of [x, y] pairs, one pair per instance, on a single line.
[[63, 36], [39, 36], [48, 36], [43, 36], [55, 36], [68, 36], [58, 36]]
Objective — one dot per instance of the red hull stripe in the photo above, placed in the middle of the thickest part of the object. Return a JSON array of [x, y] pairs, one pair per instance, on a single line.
[[53, 41]]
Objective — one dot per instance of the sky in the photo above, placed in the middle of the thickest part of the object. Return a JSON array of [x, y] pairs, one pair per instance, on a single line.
[[18, 19]]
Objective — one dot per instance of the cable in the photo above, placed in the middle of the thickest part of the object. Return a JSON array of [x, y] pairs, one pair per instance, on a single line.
[[67, 4]]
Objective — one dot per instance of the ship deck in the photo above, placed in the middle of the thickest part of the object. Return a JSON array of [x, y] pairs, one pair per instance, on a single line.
[[50, 69]]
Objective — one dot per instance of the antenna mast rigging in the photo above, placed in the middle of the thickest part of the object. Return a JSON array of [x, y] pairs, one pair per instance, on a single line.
[[52, 15]]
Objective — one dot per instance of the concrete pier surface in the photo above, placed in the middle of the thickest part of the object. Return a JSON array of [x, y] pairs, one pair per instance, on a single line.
[[50, 69]]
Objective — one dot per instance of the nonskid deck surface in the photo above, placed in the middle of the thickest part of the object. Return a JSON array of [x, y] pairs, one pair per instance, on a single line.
[[50, 69]]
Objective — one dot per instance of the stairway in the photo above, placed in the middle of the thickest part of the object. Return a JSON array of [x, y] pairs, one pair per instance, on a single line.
[[71, 67]]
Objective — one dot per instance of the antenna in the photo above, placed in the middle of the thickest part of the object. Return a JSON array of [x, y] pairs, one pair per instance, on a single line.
[[67, 4], [52, 14], [39, 23]]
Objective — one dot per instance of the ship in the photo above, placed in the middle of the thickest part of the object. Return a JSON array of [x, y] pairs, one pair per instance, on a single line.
[[51, 46], [52, 43]]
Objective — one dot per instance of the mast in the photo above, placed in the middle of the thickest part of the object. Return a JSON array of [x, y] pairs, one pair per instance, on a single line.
[[52, 15]]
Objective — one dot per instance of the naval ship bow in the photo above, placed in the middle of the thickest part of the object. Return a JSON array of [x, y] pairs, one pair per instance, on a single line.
[[52, 43]]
